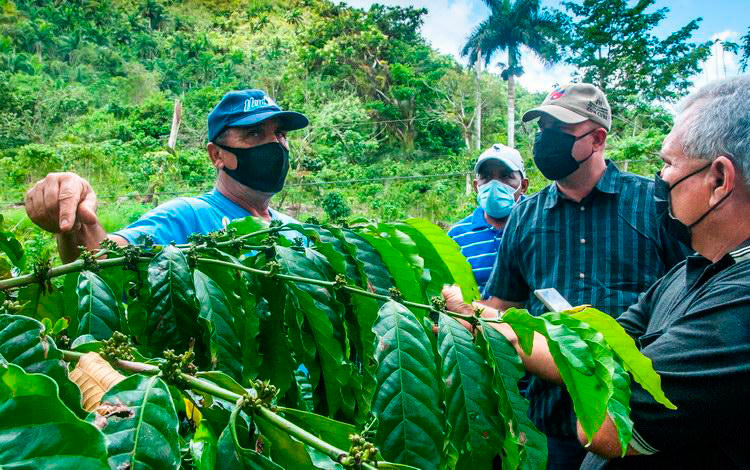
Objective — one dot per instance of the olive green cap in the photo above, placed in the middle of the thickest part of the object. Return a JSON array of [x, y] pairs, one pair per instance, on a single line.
[[573, 104]]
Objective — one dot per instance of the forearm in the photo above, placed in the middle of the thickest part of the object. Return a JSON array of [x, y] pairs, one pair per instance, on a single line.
[[88, 236], [498, 304], [605, 442], [539, 362]]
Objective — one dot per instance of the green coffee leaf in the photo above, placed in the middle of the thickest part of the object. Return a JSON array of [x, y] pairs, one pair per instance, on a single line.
[[471, 412], [440, 274], [324, 316], [288, 452], [639, 366], [327, 245], [618, 385], [40, 303], [11, 247], [24, 342], [525, 446], [204, 447], [219, 325], [240, 290], [98, 310], [610, 372], [449, 252], [331, 431], [276, 348], [405, 279], [576, 364], [410, 421], [60, 325], [171, 319], [247, 319], [232, 455], [223, 380], [140, 424], [213, 409], [370, 274], [247, 225], [360, 313], [38, 431], [373, 272], [403, 243]]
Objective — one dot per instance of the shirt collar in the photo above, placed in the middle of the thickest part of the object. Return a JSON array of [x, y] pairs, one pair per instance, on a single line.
[[477, 219], [609, 183], [239, 211], [699, 269], [741, 254]]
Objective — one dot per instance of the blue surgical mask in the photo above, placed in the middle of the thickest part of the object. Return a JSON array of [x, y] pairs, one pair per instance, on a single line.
[[497, 199]]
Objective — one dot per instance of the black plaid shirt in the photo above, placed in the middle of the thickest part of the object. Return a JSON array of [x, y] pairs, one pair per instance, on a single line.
[[602, 251]]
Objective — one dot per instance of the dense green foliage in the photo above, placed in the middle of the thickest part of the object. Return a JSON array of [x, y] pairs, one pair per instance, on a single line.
[[301, 345], [613, 46], [89, 87]]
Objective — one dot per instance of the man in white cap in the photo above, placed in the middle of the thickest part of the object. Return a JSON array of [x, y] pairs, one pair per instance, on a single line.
[[500, 182], [592, 234]]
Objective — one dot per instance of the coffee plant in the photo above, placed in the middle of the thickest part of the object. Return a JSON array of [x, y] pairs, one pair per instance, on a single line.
[[291, 346]]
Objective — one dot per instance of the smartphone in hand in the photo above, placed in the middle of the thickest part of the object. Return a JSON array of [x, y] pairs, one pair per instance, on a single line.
[[552, 299]]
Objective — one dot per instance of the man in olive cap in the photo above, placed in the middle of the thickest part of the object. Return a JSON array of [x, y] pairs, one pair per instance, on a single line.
[[591, 234], [693, 323], [247, 146]]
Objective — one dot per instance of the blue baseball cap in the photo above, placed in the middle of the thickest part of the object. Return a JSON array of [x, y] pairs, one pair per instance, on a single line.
[[247, 108]]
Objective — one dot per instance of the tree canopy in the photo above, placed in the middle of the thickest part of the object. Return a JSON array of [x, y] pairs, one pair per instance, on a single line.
[[89, 86], [613, 46]]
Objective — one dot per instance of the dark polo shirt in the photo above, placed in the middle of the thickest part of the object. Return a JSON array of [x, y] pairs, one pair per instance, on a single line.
[[603, 251], [694, 324]]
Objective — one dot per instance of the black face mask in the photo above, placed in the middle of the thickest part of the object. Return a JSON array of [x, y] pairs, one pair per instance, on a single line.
[[553, 153], [664, 215], [262, 168]]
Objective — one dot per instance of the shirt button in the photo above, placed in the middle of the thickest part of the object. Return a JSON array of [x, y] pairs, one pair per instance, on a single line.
[[581, 275], [583, 240], [583, 208]]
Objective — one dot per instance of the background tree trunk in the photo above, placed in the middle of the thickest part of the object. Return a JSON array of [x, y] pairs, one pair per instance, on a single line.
[[511, 110], [478, 105]]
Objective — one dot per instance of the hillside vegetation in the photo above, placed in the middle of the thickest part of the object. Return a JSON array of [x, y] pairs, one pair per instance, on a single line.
[[89, 87]]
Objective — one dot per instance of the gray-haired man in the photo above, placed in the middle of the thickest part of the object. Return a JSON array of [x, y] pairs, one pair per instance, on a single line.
[[693, 323]]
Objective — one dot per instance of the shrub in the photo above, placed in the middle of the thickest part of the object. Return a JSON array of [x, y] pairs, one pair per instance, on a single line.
[[336, 207]]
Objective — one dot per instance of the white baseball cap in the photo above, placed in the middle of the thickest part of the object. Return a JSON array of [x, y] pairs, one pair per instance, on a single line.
[[508, 156]]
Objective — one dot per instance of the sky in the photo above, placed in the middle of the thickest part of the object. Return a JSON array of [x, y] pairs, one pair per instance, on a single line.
[[449, 22]]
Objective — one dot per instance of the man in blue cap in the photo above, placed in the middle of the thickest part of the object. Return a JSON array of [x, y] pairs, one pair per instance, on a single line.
[[247, 146], [499, 183]]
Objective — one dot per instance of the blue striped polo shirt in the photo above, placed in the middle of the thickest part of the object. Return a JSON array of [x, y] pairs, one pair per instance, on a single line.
[[479, 242]]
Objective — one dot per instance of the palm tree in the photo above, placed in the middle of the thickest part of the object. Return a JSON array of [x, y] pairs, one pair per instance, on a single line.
[[512, 24], [294, 17]]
